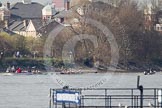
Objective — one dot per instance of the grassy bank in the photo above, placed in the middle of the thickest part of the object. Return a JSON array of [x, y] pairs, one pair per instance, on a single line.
[[21, 62], [39, 63]]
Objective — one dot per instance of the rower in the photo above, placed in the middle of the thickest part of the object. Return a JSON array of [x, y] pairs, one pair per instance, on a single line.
[[18, 70]]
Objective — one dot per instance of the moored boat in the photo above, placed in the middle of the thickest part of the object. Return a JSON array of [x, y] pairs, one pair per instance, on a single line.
[[149, 72], [71, 71], [7, 74]]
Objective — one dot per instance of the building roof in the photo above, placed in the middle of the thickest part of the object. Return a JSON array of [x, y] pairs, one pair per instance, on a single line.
[[49, 10], [8, 31], [43, 30], [37, 23], [17, 26], [20, 26], [46, 29], [98, 4], [27, 11], [64, 14]]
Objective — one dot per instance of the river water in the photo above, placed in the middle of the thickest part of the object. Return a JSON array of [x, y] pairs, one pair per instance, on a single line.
[[31, 91]]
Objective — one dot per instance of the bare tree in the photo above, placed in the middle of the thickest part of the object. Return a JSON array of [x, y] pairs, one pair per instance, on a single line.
[[124, 20]]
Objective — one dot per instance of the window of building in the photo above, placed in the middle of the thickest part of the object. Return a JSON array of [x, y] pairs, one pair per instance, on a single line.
[[158, 28]]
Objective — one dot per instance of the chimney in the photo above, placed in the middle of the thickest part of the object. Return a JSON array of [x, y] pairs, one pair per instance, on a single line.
[[0, 4], [6, 24], [8, 5], [25, 23], [67, 4]]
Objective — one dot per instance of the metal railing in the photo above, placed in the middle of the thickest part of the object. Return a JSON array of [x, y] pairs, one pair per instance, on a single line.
[[111, 98], [106, 97]]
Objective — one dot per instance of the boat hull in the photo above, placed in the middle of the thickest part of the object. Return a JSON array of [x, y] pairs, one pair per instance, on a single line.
[[11, 74]]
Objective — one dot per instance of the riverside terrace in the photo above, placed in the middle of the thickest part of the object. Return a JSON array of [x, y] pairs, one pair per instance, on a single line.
[[106, 97]]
